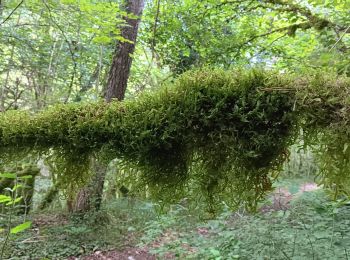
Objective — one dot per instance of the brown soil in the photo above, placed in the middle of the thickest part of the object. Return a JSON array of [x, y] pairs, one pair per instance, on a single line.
[[126, 254]]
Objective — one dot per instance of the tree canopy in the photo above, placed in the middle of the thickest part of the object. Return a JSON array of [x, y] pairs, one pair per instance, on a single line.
[[61, 51]]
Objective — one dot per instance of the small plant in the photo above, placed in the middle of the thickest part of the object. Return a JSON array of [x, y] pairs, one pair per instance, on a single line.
[[9, 202]]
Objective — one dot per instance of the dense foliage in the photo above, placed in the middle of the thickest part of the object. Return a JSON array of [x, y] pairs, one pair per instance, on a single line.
[[292, 35], [61, 51]]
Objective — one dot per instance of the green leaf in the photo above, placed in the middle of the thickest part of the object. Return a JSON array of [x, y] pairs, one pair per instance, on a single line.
[[8, 175], [4, 198], [25, 177], [17, 186], [21, 227], [214, 252], [13, 201]]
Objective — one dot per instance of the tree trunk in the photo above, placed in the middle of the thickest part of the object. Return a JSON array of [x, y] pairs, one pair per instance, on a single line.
[[9, 66], [90, 197], [2, 3], [121, 64]]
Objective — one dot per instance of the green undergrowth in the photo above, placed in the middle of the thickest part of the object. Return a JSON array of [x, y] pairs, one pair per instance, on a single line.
[[311, 228], [57, 236], [213, 135]]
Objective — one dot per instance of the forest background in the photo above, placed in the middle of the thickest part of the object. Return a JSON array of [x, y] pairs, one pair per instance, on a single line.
[[55, 52]]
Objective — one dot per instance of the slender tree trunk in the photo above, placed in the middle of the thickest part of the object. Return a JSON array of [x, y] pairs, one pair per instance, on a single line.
[[9, 68], [90, 197], [2, 3], [99, 70], [121, 64], [4, 87]]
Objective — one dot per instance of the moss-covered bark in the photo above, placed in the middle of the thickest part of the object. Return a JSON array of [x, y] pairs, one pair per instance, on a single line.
[[243, 119]]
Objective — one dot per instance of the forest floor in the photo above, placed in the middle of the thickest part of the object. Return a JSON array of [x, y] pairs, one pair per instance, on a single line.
[[280, 199], [298, 221]]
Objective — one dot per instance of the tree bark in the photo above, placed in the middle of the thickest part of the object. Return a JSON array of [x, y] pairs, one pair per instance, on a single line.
[[90, 196], [121, 64]]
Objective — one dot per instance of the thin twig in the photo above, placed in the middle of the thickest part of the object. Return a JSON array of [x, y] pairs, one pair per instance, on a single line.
[[26, 24], [333, 229], [270, 44], [304, 25], [341, 37], [310, 242], [13, 11], [156, 20], [30, 239]]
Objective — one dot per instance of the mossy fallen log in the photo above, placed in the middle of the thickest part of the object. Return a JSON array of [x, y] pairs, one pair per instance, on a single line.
[[213, 129]]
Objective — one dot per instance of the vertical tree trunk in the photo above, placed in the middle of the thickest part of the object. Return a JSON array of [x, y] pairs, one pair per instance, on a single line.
[[121, 64], [5, 86], [9, 67], [1, 8], [90, 197]]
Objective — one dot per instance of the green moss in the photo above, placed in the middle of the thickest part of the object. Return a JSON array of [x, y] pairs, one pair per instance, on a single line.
[[223, 132]]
